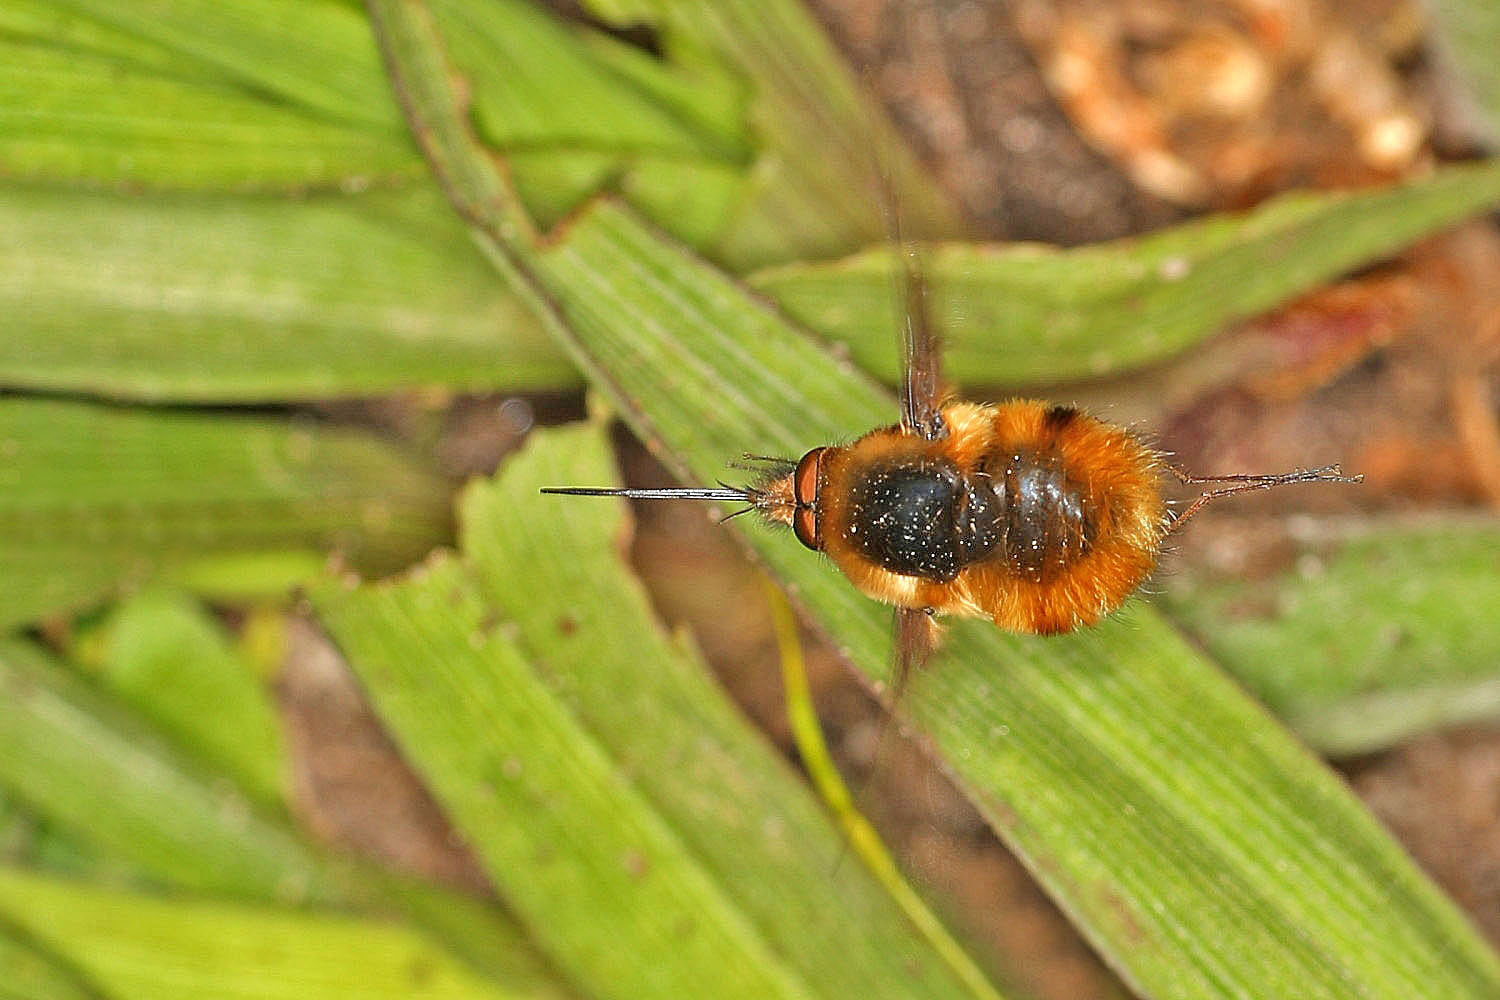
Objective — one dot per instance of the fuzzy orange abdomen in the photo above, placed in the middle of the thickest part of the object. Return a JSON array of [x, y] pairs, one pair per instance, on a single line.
[[1039, 518]]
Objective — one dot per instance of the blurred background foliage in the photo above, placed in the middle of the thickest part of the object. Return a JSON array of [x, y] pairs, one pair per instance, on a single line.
[[290, 710]]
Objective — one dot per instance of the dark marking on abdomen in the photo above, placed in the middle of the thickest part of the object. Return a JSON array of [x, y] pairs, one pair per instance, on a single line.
[[1046, 523], [926, 519], [1058, 417]]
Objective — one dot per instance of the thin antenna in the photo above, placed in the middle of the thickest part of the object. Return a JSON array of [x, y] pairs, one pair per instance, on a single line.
[[670, 493]]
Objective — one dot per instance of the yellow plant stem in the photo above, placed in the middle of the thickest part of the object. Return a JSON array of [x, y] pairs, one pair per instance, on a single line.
[[863, 839]]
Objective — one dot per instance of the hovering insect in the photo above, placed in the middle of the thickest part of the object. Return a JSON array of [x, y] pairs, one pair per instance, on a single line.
[[1038, 517]]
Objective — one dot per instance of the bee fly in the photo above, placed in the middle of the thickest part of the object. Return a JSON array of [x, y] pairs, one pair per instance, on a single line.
[[1038, 517]]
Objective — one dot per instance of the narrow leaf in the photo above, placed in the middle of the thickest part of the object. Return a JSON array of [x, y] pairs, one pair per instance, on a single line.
[[91, 497], [1201, 849], [1365, 640], [48, 23], [812, 192], [72, 118], [92, 769], [601, 879], [129, 946], [1198, 846], [536, 84], [652, 703], [581, 106], [108, 780], [164, 656], [863, 839], [650, 840], [1015, 314], [708, 98], [748, 100], [552, 183], [245, 300], [29, 974], [641, 829], [694, 201], [315, 54], [35, 841]]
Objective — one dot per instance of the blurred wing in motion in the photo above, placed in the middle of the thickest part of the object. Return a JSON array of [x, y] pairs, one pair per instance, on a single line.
[[921, 351], [916, 637]]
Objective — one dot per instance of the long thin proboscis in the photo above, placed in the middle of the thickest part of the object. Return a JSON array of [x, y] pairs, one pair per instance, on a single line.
[[672, 493]]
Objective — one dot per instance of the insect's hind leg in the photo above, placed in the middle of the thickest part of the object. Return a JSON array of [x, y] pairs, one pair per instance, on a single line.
[[1252, 483]]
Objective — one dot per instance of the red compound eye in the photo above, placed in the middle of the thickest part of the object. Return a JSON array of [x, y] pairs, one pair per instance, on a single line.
[[805, 479], [805, 527], [805, 492]]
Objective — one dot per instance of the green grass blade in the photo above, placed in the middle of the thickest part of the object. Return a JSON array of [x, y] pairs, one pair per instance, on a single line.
[[1029, 314], [419, 71], [30, 974], [69, 117], [644, 833], [37, 842], [536, 84], [1365, 640], [708, 98], [160, 653], [92, 769], [314, 54], [247, 300], [811, 192], [718, 784], [126, 946], [750, 95], [47, 23], [602, 881], [579, 105], [861, 836], [1198, 846], [92, 496], [694, 201], [408, 37], [104, 778]]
